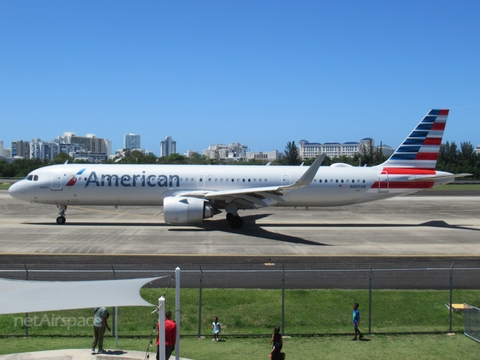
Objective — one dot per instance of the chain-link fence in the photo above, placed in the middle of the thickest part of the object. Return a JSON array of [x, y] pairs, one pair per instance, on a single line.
[[472, 322], [310, 301]]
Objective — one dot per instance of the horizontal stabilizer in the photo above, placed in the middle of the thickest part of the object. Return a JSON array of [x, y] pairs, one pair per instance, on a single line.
[[439, 177]]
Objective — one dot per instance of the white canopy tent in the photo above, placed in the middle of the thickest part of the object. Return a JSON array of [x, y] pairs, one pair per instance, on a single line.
[[21, 296]]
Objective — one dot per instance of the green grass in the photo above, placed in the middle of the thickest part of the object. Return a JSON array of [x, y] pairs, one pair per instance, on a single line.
[[4, 186], [328, 347], [255, 312]]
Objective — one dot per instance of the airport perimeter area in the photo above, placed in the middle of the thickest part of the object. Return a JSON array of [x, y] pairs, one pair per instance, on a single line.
[[407, 232]]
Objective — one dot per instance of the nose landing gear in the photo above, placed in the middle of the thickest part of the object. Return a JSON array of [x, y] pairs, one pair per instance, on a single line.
[[62, 210]]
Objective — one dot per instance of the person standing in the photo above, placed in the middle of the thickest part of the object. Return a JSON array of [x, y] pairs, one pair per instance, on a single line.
[[100, 324], [170, 335], [216, 328], [277, 344], [356, 321]]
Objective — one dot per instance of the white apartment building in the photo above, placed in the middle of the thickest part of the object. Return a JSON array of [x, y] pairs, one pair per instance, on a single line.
[[231, 151], [168, 146], [131, 141], [332, 149], [49, 149], [264, 156], [335, 149]]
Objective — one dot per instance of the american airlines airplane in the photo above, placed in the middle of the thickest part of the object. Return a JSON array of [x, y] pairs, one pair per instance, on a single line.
[[191, 193]]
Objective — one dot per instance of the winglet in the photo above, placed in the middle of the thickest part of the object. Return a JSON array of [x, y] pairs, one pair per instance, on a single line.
[[307, 178]]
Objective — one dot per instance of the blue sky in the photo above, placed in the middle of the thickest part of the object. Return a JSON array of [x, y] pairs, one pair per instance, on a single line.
[[260, 72]]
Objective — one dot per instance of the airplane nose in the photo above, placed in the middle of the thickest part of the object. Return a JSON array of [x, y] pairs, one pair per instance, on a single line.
[[16, 190]]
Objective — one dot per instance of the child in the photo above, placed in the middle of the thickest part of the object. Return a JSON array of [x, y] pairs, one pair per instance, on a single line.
[[216, 328], [356, 321]]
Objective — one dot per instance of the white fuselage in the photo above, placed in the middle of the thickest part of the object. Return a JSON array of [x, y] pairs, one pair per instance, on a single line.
[[148, 185]]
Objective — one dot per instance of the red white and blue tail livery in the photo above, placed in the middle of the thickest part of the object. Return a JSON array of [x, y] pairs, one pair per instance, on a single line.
[[420, 149], [191, 193]]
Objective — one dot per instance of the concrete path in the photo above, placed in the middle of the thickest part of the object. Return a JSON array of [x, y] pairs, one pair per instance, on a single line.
[[82, 354]]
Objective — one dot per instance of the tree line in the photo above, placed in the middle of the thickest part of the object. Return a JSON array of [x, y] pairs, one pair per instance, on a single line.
[[451, 158]]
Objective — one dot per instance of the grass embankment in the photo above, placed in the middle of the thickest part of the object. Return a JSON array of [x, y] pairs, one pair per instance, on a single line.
[[453, 187], [256, 312]]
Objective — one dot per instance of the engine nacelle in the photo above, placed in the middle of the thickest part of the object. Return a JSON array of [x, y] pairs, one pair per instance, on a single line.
[[186, 210]]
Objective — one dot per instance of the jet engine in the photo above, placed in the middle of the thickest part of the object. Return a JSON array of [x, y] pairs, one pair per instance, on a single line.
[[186, 210]]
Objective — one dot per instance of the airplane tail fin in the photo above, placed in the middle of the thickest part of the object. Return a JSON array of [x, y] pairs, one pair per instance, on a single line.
[[420, 149]]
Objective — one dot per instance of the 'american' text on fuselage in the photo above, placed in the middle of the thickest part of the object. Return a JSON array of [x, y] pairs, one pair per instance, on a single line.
[[133, 180]]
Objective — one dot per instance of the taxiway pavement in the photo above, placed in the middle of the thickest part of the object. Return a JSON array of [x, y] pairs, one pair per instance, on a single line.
[[405, 226]]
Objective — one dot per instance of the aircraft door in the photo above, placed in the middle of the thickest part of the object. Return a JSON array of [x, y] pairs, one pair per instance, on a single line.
[[56, 183], [383, 182], [286, 180]]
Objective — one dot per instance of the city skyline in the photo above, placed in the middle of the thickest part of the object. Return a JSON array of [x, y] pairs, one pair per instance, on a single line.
[[60, 138], [258, 73]]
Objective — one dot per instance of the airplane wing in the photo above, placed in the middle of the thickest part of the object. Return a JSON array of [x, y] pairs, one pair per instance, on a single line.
[[261, 196]]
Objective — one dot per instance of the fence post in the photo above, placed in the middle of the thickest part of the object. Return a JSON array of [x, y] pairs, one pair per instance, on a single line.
[[370, 301], [200, 305], [161, 327], [26, 314], [177, 311], [115, 315], [283, 299], [451, 296]]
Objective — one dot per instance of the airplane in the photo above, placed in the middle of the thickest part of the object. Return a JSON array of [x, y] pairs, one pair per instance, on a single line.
[[191, 193]]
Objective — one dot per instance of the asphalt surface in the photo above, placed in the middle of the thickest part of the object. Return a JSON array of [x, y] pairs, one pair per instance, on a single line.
[[407, 242]]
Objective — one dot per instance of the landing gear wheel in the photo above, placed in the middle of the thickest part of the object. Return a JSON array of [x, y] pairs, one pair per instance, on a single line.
[[237, 222], [230, 217], [61, 220]]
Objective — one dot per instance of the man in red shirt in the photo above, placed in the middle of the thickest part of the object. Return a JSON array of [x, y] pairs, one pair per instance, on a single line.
[[170, 335]]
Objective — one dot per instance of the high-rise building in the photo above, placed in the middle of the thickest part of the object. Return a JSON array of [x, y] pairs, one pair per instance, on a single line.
[[168, 146], [90, 142], [131, 141], [21, 148]]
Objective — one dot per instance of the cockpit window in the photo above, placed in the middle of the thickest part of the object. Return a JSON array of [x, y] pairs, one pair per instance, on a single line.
[[35, 177], [30, 177]]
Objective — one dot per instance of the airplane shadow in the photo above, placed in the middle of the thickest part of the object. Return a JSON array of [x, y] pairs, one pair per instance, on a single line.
[[432, 223], [250, 228]]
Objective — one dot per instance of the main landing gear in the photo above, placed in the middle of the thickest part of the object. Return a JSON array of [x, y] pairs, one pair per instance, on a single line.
[[235, 221], [62, 210]]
